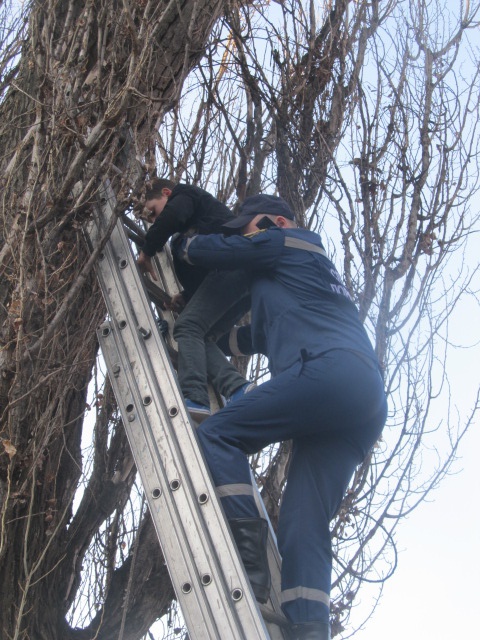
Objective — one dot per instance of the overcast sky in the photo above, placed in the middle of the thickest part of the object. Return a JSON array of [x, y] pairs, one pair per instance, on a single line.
[[434, 593]]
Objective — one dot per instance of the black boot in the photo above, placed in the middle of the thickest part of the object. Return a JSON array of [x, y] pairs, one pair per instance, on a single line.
[[311, 631], [250, 535]]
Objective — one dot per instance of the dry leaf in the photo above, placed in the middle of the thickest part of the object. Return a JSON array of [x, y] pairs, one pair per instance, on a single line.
[[10, 449]]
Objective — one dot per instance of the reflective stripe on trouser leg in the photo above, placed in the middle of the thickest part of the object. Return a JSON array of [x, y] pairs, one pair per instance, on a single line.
[[234, 490], [316, 595], [238, 500]]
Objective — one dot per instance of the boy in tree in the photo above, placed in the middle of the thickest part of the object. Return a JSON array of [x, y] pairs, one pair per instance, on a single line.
[[211, 301]]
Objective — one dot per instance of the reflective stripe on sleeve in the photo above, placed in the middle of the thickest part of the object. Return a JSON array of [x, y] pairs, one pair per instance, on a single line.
[[233, 342], [297, 243], [187, 244]]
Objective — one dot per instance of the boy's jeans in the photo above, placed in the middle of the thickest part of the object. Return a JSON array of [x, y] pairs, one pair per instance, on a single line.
[[221, 300]]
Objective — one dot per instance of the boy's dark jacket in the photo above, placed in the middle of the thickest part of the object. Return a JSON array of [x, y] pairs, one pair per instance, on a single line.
[[188, 208]]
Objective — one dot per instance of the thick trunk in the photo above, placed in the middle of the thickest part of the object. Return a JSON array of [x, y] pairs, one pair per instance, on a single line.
[[91, 75]]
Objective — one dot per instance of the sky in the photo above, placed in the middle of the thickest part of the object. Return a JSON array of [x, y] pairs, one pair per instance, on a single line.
[[434, 592]]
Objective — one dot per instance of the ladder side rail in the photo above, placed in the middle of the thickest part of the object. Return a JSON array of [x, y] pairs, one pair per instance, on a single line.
[[163, 264], [185, 574], [213, 515], [274, 559]]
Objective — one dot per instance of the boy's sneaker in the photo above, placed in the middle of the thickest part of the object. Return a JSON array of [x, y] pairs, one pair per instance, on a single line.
[[239, 393], [197, 411]]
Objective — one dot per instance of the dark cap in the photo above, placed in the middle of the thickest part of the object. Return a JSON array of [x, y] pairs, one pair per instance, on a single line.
[[256, 205]]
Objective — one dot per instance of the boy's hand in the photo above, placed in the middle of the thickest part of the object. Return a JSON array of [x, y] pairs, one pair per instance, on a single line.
[[145, 265], [177, 303]]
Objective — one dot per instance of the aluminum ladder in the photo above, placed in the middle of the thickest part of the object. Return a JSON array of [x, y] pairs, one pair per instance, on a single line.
[[210, 582]]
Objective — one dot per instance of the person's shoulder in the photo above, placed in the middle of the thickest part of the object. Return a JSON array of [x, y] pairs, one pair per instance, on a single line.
[[265, 234], [300, 232], [182, 194], [184, 189], [304, 234], [197, 194]]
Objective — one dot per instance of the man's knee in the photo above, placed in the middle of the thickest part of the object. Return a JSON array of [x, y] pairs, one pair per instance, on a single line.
[[209, 430]]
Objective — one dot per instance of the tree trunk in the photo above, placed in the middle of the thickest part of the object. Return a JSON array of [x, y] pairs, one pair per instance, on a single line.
[[91, 76]]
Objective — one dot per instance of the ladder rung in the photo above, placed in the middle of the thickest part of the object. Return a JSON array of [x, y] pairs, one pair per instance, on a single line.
[[157, 295]]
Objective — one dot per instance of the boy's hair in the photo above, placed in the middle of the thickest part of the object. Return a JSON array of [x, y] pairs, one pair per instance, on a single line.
[[156, 186]]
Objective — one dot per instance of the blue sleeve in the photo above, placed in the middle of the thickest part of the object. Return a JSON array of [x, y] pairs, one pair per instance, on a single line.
[[258, 252], [238, 344]]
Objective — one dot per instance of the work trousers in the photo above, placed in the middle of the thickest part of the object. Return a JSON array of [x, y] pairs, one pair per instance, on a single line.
[[333, 408], [221, 300]]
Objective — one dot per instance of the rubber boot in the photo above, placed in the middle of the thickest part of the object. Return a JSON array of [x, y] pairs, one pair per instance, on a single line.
[[311, 631], [250, 535]]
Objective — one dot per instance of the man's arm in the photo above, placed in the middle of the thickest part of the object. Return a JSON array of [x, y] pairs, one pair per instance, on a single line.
[[257, 252]]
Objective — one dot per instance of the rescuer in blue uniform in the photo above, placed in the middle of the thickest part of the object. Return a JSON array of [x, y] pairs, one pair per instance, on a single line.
[[326, 394]]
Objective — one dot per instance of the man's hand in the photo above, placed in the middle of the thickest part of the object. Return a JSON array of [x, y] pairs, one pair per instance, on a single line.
[[145, 265]]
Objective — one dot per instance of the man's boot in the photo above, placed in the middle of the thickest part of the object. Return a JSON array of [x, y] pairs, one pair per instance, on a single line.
[[311, 631], [250, 535]]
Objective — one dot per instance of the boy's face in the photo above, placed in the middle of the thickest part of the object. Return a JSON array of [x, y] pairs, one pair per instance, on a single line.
[[157, 204]]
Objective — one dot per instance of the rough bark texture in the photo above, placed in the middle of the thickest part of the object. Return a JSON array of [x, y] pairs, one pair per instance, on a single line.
[[91, 75]]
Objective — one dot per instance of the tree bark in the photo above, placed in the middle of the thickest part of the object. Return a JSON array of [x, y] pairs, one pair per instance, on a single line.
[[91, 85]]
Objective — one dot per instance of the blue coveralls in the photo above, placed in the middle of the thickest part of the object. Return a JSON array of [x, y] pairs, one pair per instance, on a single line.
[[326, 394]]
